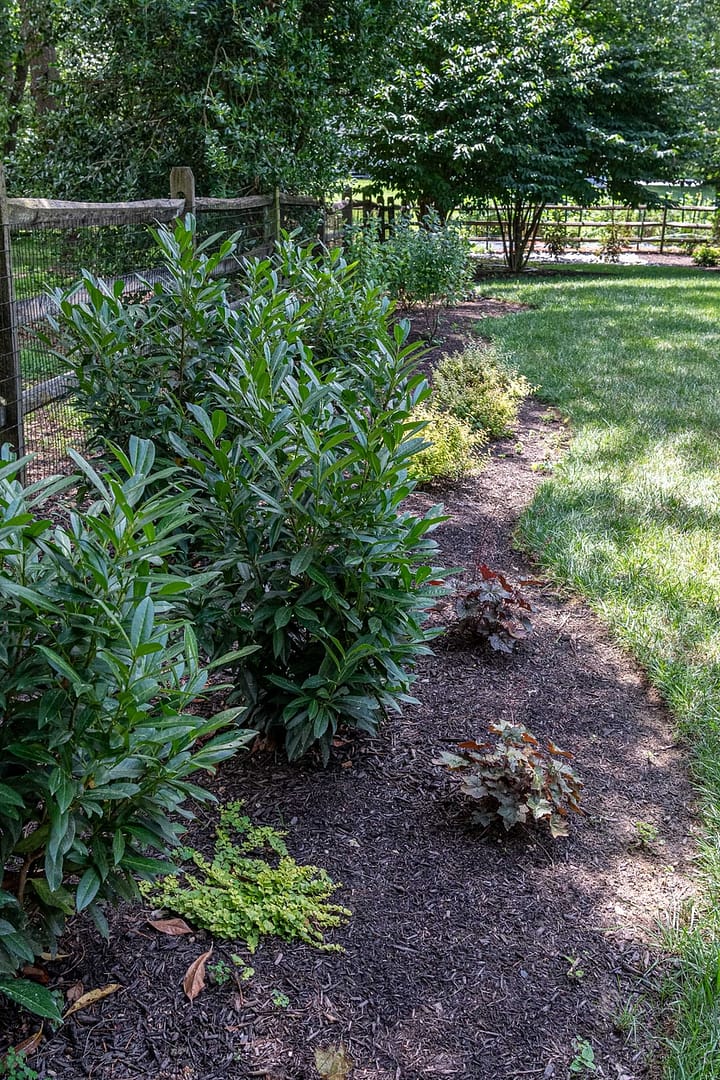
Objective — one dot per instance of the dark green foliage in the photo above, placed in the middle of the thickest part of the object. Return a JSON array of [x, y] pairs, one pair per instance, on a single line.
[[300, 473], [293, 414], [495, 611], [477, 387], [248, 94], [520, 103], [97, 746], [251, 888], [517, 778]]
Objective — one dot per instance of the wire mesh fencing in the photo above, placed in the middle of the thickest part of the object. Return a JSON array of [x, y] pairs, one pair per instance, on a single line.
[[47, 255]]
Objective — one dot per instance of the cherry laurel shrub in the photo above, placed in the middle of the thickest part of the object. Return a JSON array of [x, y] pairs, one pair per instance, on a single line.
[[98, 748], [517, 779], [295, 425]]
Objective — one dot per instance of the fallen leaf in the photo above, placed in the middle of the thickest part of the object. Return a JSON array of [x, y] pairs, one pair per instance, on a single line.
[[29, 1046], [54, 956], [332, 1063], [92, 997], [194, 980], [74, 992], [173, 927], [37, 974]]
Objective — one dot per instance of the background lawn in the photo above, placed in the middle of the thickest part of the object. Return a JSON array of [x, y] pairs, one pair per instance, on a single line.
[[631, 518]]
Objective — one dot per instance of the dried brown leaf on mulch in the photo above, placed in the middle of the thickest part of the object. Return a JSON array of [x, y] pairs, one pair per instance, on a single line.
[[464, 953]]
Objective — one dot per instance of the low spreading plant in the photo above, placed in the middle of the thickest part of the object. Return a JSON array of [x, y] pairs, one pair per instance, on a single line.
[[451, 447], [477, 387], [517, 779], [495, 611], [706, 255], [241, 895], [98, 746]]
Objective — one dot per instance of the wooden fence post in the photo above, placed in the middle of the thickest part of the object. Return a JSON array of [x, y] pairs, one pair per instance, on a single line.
[[663, 227], [347, 210], [182, 186], [11, 413]]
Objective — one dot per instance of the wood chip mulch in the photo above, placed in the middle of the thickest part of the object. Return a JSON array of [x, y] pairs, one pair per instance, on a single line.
[[469, 954]]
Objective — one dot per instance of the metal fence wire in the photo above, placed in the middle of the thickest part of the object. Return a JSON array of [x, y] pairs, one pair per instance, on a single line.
[[46, 257]]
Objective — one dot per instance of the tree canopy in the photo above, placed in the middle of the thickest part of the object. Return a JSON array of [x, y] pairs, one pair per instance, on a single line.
[[525, 101], [107, 95]]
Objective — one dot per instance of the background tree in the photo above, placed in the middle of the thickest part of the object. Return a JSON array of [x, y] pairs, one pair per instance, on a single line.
[[522, 102], [249, 94]]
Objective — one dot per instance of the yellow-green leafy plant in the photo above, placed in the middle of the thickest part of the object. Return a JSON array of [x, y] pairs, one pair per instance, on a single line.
[[479, 388], [452, 447], [251, 888]]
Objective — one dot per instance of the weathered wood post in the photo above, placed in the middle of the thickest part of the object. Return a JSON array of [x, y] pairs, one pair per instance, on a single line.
[[347, 208], [11, 411], [182, 186], [663, 229], [275, 217]]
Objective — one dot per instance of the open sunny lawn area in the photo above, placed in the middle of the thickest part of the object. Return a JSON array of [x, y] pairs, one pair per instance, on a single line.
[[631, 516]]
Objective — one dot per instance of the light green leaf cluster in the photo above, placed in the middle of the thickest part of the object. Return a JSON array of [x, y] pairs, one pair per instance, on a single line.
[[240, 895]]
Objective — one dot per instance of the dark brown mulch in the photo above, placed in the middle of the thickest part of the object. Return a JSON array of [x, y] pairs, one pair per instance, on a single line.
[[468, 954]]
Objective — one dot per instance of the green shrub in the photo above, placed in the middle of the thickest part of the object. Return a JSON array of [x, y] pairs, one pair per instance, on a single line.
[[613, 241], [517, 778], [97, 746], [555, 234], [476, 387], [240, 895], [706, 255], [293, 414], [424, 268], [451, 449], [140, 360], [300, 473]]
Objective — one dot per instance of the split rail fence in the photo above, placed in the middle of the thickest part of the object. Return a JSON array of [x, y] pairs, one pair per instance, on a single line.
[[648, 229], [44, 244]]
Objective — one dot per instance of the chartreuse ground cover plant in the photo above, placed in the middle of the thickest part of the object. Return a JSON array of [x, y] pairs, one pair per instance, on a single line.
[[250, 888], [631, 518], [99, 746], [292, 417]]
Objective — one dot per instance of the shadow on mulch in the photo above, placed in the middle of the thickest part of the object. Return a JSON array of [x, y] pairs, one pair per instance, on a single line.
[[468, 954]]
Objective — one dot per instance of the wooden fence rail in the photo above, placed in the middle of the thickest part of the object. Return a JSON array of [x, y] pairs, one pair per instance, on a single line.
[[265, 213]]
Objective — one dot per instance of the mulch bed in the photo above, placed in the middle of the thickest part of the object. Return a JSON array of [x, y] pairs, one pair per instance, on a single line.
[[468, 954]]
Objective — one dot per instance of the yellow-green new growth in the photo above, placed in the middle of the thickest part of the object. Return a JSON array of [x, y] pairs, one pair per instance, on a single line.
[[239, 896]]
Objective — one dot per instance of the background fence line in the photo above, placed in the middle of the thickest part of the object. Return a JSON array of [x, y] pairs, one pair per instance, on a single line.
[[645, 228], [45, 244]]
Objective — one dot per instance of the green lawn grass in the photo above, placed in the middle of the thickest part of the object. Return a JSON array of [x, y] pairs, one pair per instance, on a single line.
[[631, 518]]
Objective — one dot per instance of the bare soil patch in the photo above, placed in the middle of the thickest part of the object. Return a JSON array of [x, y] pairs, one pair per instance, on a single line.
[[469, 954]]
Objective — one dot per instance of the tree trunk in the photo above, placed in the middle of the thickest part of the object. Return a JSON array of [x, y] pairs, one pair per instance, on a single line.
[[519, 222]]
